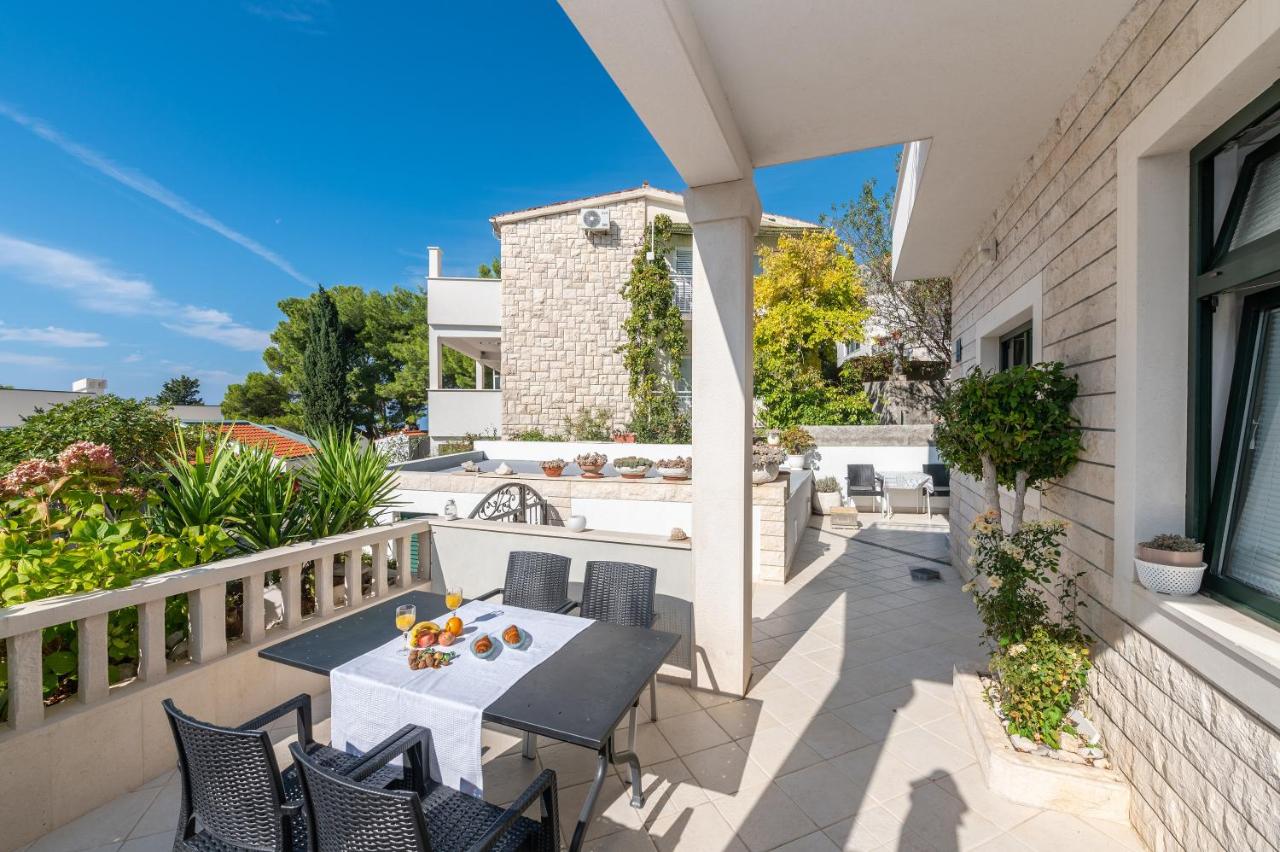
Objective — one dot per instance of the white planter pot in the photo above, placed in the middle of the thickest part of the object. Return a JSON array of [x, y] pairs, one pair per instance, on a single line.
[[575, 523], [1170, 579], [764, 473], [797, 461], [825, 501]]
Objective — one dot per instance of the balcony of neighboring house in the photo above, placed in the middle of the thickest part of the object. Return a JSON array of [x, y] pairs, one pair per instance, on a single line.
[[464, 323]]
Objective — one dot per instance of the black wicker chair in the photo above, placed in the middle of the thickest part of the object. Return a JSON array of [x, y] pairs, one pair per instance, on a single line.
[[941, 478], [623, 593], [535, 581], [233, 793], [346, 815], [863, 482]]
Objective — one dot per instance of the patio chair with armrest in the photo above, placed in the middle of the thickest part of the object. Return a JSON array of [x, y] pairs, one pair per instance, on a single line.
[[535, 581], [863, 482], [623, 593], [234, 794], [346, 814]]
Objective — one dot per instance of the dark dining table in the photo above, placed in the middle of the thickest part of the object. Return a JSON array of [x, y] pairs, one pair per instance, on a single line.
[[579, 695]]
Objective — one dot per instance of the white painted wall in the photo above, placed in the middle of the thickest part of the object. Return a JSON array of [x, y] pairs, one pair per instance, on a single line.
[[456, 412], [543, 450], [464, 301]]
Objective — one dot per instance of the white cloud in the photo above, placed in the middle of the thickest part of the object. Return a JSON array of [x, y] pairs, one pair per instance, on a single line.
[[22, 359], [52, 336], [152, 189], [131, 358], [99, 288]]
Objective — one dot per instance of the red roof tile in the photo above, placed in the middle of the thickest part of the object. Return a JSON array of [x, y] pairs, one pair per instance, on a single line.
[[256, 436]]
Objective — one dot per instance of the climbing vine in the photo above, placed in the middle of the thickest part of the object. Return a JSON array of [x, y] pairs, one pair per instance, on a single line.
[[655, 341]]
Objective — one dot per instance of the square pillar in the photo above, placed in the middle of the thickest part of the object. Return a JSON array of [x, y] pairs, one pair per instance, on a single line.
[[725, 218], [479, 375], [433, 361]]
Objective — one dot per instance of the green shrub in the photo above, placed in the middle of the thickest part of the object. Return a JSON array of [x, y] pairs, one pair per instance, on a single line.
[[797, 440], [343, 485], [589, 424], [925, 371], [876, 367], [464, 445], [535, 434], [827, 485], [1041, 678], [201, 486]]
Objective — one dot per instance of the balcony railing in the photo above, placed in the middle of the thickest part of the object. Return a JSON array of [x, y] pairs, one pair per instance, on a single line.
[[683, 287], [206, 589]]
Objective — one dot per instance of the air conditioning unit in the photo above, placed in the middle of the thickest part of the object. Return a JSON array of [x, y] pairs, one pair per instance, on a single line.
[[593, 220]]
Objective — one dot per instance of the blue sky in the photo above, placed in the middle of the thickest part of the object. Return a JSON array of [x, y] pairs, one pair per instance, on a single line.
[[172, 170]]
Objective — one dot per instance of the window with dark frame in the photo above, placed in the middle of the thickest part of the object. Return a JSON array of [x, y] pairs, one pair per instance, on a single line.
[[1233, 503], [1015, 348]]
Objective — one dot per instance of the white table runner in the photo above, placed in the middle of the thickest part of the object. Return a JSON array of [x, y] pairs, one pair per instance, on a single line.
[[377, 693], [907, 480]]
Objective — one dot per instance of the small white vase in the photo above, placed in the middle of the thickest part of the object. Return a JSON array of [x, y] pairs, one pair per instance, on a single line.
[[797, 461], [576, 523]]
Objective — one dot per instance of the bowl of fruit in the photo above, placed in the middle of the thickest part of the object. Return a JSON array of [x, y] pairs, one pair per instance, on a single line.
[[514, 637], [484, 647]]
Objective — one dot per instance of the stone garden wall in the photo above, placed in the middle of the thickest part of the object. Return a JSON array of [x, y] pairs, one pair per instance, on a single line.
[[1202, 766]]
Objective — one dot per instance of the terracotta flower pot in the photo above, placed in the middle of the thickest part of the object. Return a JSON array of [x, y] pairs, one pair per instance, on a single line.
[[1180, 558], [552, 471], [592, 471]]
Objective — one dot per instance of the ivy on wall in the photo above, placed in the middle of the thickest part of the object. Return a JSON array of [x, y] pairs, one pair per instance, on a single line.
[[655, 341]]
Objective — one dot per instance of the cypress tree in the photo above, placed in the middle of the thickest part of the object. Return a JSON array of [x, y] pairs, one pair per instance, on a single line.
[[325, 399]]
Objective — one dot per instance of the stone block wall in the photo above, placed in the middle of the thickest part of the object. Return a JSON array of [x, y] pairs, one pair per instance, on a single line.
[[562, 314], [1204, 769]]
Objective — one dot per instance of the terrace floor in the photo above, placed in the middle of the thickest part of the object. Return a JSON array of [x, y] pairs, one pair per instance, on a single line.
[[849, 738]]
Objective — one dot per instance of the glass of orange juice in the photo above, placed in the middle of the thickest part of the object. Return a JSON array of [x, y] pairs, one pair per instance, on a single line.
[[453, 597], [406, 617]]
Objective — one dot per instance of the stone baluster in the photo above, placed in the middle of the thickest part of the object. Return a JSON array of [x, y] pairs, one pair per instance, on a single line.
[[324, 585], [291, 586], [92, 682], [254, 611], [404, 571], [152, 665], [26, 687], [380, 584], [208, 608], [354, 572], [424, 558]]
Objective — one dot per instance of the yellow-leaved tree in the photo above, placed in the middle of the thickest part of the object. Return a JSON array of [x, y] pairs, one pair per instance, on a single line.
[[808, 298]]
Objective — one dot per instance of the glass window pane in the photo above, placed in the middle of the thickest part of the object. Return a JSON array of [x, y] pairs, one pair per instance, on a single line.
[[1260, 214], [1253, 555]]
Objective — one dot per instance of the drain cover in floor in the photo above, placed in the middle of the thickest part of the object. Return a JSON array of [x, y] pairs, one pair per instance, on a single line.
[[925, 574]]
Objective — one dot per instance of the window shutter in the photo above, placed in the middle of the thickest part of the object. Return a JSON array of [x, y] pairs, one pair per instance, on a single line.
[[684, 263], [1260, 213], [1253, 556]]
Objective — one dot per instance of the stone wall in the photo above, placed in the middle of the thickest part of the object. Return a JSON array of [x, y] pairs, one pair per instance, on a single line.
[[562, 314], [1203, 768]]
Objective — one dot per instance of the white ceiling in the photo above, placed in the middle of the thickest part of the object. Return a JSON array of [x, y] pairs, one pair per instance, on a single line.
[[728, 85]]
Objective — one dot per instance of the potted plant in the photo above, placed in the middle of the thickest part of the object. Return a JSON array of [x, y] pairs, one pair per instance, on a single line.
[[632, 467], [1171, 564], [677, 469], [591, 464], [798, 443], [622, 437], [765, 461], [553, 467], [826, 495]]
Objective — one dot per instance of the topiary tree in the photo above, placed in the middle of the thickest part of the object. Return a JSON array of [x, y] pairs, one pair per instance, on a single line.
[[1013, 428]]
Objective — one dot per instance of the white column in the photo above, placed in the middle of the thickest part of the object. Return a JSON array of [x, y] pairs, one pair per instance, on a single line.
[[433, 365], [479, 375], [725, 218]]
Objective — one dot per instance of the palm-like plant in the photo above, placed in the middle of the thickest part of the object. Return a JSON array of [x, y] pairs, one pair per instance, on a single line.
[[269, 509], [202, 488], [345, 484]]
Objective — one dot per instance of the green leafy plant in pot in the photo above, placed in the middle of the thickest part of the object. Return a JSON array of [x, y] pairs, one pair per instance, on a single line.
[[826, 495]]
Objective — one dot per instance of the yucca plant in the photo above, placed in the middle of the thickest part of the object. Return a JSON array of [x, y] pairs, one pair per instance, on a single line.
[[344, 485], [202, 485], [269, 508]]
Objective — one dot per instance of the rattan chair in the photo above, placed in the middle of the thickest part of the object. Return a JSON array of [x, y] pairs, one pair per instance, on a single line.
[[535, 581], [623, 593], [234, 795], [863, 482], [345, 814]]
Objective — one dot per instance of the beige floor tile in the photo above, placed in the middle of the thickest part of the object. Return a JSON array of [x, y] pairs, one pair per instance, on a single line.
[[110, 824], [825, 794], [829, 735], [497, 741], [162, 842], [1050, 830], [700, 829], [873, 718], [743, 718], [970, 787], [573, 764], [928, 752], [917, 706], [779, 751], [621, 841], [163, 813], [764, 817], [1002, 843], [725, 769], [707, 699], [871, 828], [650, 746], [613, 810], [673, 700], [878, 773], [940, 819], [669, 788], [692, 732], [816, 842], [507, 777]]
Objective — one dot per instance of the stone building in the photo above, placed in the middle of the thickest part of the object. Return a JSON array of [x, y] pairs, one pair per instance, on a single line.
[[545, 337]]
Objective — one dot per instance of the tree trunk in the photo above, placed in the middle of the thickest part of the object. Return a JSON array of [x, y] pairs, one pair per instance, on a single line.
[[1019, 500], [991, 487]]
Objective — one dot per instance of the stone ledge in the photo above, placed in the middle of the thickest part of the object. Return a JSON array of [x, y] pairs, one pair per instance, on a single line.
[[1036, 781]]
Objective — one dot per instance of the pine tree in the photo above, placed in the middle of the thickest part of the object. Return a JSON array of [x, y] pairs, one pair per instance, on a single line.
[[325, 361]]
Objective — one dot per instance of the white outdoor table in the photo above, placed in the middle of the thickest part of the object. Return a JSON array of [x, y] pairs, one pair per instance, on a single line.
[[906, 480]]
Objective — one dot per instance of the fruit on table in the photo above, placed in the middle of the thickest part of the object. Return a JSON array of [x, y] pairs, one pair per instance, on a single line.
[[446, 638], [421, 658], [420, 628], [454, 626], [426, 640]]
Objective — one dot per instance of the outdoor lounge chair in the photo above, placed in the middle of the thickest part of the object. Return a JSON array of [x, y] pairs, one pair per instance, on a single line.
[[941, 478], [535, 581], [863, 482], [234, 795], [344, 814]]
